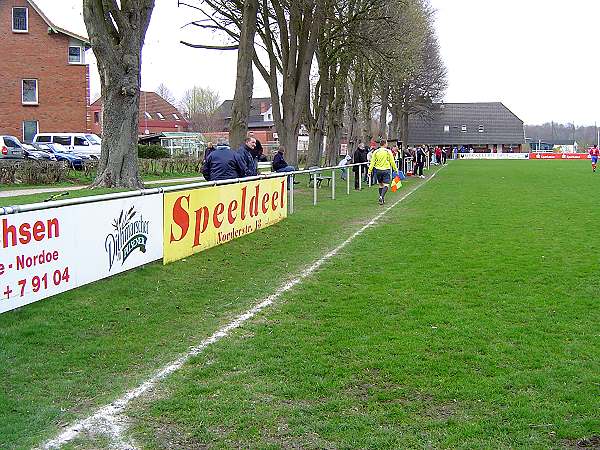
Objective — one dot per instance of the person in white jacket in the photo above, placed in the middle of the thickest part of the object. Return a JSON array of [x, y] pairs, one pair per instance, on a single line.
[[345, 162]]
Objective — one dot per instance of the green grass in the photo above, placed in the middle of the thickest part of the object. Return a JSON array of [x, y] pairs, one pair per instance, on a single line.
[[84, 192], [468, 318]]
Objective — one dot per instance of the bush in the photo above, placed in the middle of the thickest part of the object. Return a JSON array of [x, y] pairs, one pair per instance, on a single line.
[[169, 166], [33, 172], [152, 152]]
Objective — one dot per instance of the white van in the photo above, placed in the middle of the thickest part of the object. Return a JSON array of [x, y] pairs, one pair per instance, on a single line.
[[83, 143]]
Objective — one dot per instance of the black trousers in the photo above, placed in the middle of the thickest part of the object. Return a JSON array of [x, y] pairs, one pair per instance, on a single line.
[[419, 168]]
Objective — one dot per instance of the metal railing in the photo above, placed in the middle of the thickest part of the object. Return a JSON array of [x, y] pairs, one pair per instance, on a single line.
[[5, 210]]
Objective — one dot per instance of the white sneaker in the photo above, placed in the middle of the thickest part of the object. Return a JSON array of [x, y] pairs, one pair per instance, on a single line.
[[422, 176]]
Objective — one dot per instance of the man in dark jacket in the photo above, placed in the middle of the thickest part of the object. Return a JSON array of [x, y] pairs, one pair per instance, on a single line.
[[279, 164], [360, 157], [257, 152], [246, 153], [223, 164]]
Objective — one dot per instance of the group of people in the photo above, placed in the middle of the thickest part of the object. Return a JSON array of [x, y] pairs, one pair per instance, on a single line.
[[223, 163]]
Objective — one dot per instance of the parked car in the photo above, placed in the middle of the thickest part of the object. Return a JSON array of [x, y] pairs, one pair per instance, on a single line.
[[81, 143], [62, 154], [10, 148], [30, 151]]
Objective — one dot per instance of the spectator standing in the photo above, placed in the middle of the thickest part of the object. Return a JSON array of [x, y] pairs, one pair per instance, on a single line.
[[444, 155], [360, 157], [223, 164], [246, 152], [381, 166], [438, 155], [420, 157], [209, 149]]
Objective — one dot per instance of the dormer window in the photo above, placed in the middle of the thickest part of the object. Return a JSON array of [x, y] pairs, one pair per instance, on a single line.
[[75, 55], [160, 116], [175, 116], [147, 115], [20, 22]]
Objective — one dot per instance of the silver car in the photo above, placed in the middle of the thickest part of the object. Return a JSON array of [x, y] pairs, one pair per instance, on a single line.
[[10, 148]]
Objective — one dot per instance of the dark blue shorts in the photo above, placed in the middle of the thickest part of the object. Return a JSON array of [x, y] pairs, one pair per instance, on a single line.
[[594, 159], [382, 176]]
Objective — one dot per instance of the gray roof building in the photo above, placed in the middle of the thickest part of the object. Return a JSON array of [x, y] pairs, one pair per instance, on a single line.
[[260, 117], [476, 124]]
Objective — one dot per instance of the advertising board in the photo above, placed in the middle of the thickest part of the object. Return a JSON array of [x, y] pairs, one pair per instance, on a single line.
[[43, 253], [561, 156], [196, 220], [493, 155]]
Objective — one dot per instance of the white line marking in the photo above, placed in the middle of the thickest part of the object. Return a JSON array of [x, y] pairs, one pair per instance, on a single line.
[[108, 421]]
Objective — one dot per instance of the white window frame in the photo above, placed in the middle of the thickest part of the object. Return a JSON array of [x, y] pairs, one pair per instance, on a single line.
[[481, 129], [37, 122], [160, 116], [463, 128], [147, 115], [446, 128], [37, 92], [175, 116], [12, 18], [80, 54]]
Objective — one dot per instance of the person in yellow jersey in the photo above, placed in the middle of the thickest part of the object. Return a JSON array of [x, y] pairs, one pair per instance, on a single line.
[[382, 163]]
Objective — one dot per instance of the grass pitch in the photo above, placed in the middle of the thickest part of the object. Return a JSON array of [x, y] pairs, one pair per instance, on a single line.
[[467, 318]]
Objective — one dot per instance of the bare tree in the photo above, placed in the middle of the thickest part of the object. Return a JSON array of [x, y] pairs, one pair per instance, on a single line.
[[200, 105], [117, 31], [166, 94]]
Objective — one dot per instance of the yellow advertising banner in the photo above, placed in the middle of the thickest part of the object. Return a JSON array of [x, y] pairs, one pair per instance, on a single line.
[[198, 219]]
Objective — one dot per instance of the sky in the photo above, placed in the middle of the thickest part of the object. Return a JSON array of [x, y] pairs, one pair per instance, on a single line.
[[538, 57]]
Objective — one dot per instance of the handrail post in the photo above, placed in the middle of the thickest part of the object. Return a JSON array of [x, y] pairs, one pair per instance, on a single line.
[[314, 188], [291, 194], [348, 181], [360, 177], [333, 184]]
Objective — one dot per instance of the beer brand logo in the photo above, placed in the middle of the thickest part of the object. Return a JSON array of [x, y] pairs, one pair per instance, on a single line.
[[129, 234]]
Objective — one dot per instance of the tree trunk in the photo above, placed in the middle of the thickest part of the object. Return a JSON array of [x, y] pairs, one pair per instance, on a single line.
[[385, 94], [244, 83], [404, 129], [117, 35], [118, 160]]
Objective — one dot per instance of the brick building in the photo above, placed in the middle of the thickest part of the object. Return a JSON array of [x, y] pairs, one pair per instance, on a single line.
[[260, 119], [156, 116], [45, 78]]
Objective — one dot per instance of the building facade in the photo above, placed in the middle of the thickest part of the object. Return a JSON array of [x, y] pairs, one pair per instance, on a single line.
[[156, 116], [484, 127], [260, 119], [45, 78]]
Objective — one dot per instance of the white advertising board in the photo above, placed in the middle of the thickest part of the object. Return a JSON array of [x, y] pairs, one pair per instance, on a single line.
[[493, 155], [43, 253]]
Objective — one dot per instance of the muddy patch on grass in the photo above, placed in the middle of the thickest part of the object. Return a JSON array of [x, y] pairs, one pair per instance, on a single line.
[[590, 443]]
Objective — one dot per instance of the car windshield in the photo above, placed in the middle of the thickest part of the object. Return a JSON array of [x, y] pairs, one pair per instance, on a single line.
[[93, 139]]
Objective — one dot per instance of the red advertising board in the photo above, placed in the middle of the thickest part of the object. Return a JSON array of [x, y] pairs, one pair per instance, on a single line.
[[562, 156]]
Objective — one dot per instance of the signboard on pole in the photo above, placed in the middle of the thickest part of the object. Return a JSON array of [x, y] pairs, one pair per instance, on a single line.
[[43, 253], [196, 220]]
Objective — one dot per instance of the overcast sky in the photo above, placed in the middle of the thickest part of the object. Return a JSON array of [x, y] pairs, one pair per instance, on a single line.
[[538, 57]]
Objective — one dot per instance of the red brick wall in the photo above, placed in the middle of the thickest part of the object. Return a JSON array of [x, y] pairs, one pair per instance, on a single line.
[[63, 90]]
